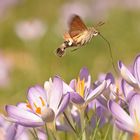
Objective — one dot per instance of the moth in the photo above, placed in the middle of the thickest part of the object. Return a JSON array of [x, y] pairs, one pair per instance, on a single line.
[[77, 36]]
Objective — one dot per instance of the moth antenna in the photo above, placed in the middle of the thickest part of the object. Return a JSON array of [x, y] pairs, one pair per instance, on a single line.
[[110, 51]]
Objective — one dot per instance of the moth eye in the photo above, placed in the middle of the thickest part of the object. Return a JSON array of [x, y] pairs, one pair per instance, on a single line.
[[68, 43], [96, 33]]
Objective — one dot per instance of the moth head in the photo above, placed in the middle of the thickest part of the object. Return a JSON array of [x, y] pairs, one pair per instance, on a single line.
[[95, 32]]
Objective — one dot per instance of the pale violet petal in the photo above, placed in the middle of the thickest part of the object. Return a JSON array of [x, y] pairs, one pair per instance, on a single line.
[[134, 108], [97, 91], [23, 117], [136, 68], [119, 114], [56, 93], [127, 75]]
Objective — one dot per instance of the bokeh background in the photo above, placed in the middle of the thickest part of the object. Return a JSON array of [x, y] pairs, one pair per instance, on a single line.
[[31, 30]]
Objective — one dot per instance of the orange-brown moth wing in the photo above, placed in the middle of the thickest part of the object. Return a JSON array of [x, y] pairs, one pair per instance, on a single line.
[[76, 26]]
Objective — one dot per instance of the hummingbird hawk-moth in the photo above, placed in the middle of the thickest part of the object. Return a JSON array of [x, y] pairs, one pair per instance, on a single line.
[[77, 36]]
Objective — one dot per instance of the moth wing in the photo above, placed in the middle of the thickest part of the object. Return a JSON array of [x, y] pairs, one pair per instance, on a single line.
[[66, 36], [76, 26]]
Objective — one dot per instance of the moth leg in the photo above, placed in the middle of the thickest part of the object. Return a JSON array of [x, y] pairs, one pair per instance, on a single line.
[[74, 49]]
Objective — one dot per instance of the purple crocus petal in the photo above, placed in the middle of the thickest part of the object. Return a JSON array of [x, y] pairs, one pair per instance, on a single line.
[[76, 98], [126, 74], [63, 104], [42, 135], [76, 116], [23, 117], [127, 90], [62, 127], [134, 108], [56, 93], [72, 84], [66, 88], [124, 127], [36, 97], [100, 112], [84, 74], [23, 106], [21, 130], [97, 91], [41, 91], [110, 79], [136, 68], [11, 132], [120, 114], [48, 87]]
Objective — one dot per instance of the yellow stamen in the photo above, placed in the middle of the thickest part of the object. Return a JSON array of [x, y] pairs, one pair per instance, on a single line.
[[80, 87], [42, 101], [38, 109], [28, 105]]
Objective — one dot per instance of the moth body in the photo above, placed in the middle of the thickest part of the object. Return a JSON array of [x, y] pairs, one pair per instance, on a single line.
[[77, 36]]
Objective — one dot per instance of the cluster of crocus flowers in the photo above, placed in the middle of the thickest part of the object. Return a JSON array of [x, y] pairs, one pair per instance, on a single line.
[[81, 107]]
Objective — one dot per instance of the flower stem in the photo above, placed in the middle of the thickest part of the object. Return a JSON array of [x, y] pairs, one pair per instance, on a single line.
[[105, 138], [47, 133], [35, 134], [69, 123], [95, 130]]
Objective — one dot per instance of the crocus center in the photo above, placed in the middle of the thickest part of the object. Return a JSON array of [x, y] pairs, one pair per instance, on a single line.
[[38, 107], [80, 86]]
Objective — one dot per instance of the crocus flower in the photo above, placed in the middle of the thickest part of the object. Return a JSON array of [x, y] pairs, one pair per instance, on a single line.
[[82, 90], [11, 131], [132, 78], [43, 106], [30, 30], [127, 121], [4, 71]]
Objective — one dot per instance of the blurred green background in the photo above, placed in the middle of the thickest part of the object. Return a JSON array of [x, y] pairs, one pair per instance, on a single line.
[[29, 61]]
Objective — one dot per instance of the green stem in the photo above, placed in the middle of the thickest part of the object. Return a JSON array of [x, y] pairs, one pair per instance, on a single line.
[[47, 133], [69, 123], [35, 134], [105, 138], [95, 130]]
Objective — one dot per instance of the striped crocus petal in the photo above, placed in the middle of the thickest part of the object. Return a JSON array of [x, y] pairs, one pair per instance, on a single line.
[[62, 126], [124, 126], [127, 75], [134, 110], [76, 98], [67, 88], [24, 117], [96, 92], [11, 132], [72, 84], [127, 89], [136, 68], [56, 93], [63, 104], [84, 75], [119, 114]]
